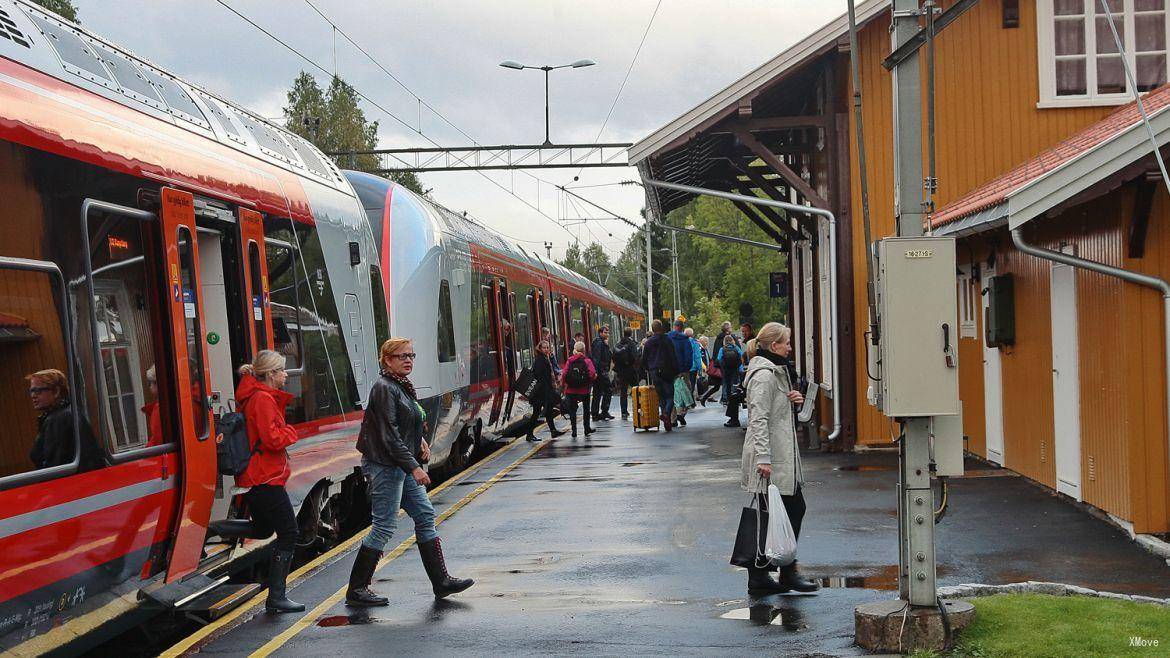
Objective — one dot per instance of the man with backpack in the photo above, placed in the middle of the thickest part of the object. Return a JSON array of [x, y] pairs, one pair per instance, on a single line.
[[602, 387], [625, 363], [660, 360]]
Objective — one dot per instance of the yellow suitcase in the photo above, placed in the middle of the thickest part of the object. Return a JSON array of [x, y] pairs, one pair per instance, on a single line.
[[645, 407]]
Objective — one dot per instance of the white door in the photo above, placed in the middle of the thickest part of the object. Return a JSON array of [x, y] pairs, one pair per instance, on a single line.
[[992, 388], [356, 340], [1066, 380]]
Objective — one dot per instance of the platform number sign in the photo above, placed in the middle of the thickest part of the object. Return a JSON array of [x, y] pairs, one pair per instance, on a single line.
[[778, 284]]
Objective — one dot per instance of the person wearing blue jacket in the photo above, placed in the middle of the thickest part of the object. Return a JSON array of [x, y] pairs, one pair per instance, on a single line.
[[696, 358], [685, 354], [730, 359]]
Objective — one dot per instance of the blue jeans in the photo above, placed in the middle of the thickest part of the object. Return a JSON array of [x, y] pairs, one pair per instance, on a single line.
[[390, 488], [730, 379]]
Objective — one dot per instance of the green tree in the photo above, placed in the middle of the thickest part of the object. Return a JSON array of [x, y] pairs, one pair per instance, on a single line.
[[333, 121], [63, 8]]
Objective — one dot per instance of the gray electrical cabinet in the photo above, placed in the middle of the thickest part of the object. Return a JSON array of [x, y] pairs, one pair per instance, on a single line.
[[917, 299]]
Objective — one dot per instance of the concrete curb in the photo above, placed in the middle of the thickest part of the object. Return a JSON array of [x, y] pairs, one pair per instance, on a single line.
[[1040, 587]]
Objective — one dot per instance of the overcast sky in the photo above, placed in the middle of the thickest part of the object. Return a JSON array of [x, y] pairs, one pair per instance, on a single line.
[[448, 52]]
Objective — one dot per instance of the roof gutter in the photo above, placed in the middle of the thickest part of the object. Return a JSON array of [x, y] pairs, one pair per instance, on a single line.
[[1133, 277], [791, 207]]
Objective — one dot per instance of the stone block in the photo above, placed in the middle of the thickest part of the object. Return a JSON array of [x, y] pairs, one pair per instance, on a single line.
[[879, 628]]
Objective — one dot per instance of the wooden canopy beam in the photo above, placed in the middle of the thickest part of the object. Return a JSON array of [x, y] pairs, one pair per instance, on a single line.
[[762, 212], [789, 176]]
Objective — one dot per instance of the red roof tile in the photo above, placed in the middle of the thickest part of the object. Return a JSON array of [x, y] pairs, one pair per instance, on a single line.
[[10, 321], [997, 190]]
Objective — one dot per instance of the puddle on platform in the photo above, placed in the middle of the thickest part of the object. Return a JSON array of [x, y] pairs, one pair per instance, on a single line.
[[886, 579], [766, 614], [356, 619], [865, 468]]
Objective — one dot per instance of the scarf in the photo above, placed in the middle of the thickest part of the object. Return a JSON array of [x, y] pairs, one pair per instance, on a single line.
[[61, 403], [776, 359], [404, 382]]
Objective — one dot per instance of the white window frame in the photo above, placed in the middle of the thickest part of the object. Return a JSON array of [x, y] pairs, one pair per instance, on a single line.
[[1046, 52], [121, 441], [968, 297]]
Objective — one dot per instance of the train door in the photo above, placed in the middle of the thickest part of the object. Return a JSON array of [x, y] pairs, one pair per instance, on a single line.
[[254, 260], [508, 324], [196, 453], [491, 294]]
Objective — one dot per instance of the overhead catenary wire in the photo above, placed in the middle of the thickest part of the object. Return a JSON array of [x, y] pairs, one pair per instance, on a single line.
[[423, 103], [1136, 95], [377, 105], [629, 69]]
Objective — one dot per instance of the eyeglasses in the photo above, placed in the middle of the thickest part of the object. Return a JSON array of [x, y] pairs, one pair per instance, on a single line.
[[408, 356], [37, 390]]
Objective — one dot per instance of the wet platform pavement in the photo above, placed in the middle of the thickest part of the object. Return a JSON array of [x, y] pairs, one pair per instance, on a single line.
[[618, 544]]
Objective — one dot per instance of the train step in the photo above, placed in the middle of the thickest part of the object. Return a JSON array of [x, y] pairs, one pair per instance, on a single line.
[[176, 595], [223, 599]]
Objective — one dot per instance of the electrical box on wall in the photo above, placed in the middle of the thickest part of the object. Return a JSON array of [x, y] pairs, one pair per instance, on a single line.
[[1000, 323], [918, 305]]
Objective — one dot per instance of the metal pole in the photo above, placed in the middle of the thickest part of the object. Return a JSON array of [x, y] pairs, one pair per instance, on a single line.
[[674, 265], [547, 142], [830, 219], [916, 558], [649, 277]]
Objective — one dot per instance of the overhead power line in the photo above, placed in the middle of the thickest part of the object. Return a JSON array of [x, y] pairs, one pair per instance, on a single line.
[[377, 105], [629, 69]]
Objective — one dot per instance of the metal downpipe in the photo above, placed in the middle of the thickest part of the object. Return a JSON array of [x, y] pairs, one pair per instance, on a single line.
[[1133, 277], [832, 222]]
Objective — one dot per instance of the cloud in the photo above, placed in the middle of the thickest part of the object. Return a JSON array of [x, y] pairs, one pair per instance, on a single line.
[[448, 53]]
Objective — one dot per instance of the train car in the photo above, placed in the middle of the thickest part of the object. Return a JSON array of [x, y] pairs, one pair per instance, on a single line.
[[155, 237], [491, 299]]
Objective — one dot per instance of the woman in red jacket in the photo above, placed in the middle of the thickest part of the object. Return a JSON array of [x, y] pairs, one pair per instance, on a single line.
[[263, 404], [577, 378]]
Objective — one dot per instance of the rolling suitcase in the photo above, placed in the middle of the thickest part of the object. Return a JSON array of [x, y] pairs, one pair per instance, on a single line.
[[645, 403]]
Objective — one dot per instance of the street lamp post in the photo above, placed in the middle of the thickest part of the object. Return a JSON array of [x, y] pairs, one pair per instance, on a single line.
[[517, 66]]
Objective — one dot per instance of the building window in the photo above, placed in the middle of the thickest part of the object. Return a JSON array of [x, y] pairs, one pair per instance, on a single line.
[[1079, 60], [968, 290]]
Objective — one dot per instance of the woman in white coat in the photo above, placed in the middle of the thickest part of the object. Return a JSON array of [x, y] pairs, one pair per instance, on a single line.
[[770, 453]]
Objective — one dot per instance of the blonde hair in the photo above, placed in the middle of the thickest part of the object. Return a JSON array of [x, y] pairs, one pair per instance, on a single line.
[[53, 378], [544, 341], [750, 349], [391, 346], [265, 363], [773, 332], [579, 347]]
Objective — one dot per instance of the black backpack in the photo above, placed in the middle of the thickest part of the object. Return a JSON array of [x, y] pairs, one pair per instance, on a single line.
[[233, 450], [624, 356], [577, 376], [731, 359]]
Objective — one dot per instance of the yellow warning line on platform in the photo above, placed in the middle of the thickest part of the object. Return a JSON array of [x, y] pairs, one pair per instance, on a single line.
[[195, 639], [307, 621]]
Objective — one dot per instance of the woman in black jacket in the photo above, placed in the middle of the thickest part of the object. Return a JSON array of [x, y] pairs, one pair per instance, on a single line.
[[544, 398], [392, 445]]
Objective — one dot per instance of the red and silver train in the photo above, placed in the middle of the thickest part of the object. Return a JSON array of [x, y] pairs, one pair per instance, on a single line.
[[154, 237]]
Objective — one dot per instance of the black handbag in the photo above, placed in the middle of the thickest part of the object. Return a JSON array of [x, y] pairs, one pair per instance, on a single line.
[[526, 383], [749, 539]]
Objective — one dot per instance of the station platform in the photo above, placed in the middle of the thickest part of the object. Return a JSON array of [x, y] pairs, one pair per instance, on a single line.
[[618, 545]]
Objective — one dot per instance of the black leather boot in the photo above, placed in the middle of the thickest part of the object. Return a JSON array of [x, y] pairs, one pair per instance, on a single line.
[[278, 566], [359, 593], [441, 582], [791, 578], [760, 583]]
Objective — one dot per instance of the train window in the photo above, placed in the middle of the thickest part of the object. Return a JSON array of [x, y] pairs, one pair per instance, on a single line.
[[194, 330], [116, 317], [128, 75], [508, 322], [258, 324], [483, 346], [381, 319], [524, 331], [283, 284], [32, 339], [446, 325]]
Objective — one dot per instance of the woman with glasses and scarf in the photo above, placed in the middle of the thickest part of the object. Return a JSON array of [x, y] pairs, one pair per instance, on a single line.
[[392, 446]]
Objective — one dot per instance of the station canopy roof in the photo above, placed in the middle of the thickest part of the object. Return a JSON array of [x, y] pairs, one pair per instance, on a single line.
[[698, 149]]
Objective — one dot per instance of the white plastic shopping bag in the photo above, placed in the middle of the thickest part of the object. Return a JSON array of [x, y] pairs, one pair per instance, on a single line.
[[780, 544]]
